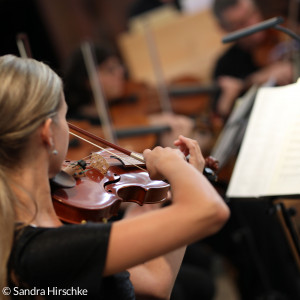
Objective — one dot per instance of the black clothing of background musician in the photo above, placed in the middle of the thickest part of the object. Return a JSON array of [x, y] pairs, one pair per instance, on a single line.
[[235, 62]]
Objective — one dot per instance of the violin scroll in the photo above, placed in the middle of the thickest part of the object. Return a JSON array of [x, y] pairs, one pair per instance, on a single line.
[[212, 163], [210, 169]]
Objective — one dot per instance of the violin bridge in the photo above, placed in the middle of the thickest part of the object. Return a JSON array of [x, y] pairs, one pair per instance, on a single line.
[[98, 162]]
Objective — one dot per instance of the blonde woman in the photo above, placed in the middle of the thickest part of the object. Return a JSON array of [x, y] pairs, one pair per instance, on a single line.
[[40, 257]]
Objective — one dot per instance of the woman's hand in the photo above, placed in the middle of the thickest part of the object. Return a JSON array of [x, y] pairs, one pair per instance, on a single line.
[[162, 161], [191, 147]]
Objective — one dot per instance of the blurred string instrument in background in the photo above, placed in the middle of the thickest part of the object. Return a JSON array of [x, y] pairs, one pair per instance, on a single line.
[[165, 53], [132, 129], [163, 46]]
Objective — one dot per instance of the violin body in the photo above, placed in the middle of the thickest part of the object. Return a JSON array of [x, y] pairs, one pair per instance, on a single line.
[[97, 196], [266, 53]]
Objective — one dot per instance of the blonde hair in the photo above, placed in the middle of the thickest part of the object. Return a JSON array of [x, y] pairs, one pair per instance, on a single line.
[[30, 92]]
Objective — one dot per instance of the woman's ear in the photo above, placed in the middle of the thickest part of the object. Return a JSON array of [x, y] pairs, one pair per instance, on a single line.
[[47, 133]]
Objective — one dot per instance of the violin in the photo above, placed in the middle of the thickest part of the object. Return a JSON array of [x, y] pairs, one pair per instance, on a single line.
[[269, 51], [100, 189], [93, 189]]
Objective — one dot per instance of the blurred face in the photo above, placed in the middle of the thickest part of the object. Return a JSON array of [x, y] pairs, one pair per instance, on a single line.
[[242, 15], [60, 138], [111, 76]]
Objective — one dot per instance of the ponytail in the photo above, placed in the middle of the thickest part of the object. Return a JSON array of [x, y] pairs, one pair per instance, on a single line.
[[30, 92]]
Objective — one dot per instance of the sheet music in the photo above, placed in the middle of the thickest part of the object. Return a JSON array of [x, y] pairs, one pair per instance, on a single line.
[[268, 163]]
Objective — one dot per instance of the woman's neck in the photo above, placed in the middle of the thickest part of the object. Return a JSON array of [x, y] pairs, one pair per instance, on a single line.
[[34, 203]]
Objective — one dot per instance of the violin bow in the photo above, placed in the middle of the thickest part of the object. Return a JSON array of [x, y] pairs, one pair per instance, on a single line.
[[209, 170], [100, 101], [164, 98], [23, 45], [132, 154]]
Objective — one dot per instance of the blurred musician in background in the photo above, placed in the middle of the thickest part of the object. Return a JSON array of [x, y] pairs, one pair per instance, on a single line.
[[253, 240], [77, 87], [112, 79], [251, 60]]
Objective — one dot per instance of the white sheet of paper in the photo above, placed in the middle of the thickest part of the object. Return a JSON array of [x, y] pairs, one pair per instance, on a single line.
[[268, 163]]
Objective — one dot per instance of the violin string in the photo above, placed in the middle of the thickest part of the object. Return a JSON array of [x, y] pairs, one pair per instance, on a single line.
[[114, 154]]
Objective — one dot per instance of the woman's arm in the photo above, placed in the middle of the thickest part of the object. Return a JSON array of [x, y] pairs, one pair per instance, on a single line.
[[157, 276], [155, 279], [196, 212]]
